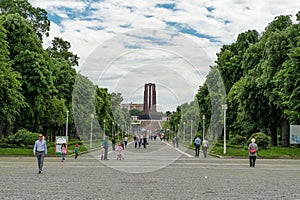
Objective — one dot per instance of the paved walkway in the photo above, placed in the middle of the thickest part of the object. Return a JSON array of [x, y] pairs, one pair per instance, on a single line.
[[157, 172]]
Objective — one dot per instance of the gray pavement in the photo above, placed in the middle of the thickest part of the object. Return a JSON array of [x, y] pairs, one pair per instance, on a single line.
[[157, 172]]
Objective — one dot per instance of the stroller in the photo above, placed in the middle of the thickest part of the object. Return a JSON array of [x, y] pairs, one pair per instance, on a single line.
[[119, 150]]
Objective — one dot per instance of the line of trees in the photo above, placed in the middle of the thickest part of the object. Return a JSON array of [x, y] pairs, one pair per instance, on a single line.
[[261, 78], [36, 83]]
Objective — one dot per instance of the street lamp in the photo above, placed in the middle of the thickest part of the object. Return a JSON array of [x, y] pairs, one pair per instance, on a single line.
[[112, 129], [203, 117], [91, 137], [104, 128], [191, 131], [118, 131], [67, 122], [183, 132], [224, 107]]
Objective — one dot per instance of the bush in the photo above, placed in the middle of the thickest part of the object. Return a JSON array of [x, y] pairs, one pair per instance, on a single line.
[[22, 138], [238, 140], [261, 139]]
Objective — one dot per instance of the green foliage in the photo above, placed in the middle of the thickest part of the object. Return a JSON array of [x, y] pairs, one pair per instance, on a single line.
[[23, 138], [261, 139], [238, 140]]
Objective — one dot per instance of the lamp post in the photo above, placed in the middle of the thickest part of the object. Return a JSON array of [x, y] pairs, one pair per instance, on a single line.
[[224, 107], [118, 131], [104, 128], [67, 122], [191, 131], [91, 136], [183, 132], [203, 117], [112, 129]]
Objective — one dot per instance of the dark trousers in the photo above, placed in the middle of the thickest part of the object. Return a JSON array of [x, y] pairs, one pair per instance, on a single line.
[[105, 153], [252, 160], [197, 149], [145, 142], [40, 158], [135, 144], [76, 155], [204, 149]]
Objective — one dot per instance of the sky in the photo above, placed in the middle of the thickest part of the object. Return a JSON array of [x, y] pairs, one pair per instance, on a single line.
[[124, 44]]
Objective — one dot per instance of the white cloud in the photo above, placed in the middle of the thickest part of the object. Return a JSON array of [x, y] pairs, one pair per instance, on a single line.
[[109, 21]]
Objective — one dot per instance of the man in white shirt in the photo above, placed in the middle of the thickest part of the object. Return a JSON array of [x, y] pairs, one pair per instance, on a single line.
[[40, 151], [197, 144]]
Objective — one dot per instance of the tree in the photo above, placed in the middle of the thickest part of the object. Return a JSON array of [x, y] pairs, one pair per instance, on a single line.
[[11, 99], [37, 17], [35, 67]]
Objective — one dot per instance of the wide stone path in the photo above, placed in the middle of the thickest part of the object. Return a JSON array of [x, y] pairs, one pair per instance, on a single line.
[[157, 172]]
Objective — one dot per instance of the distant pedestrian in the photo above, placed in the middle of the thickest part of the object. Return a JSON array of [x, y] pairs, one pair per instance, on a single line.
[[40, 151], [76, 151], [145, 140], [119, 152], [252, 152], [63, 151], [204, 147], [135, 141], [197, 143], [113, 143], [176, 142], [125, 141], [105, 146], [140, 141], [173, 142]]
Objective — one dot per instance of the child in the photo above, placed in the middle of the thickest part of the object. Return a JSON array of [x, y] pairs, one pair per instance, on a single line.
[[76, 151], [119, 154], [63, 151]]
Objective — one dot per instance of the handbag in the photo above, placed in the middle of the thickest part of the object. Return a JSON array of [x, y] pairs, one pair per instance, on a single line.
[[252, 151]]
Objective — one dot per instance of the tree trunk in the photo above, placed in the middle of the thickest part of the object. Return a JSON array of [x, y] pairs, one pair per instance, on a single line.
[[285, 133], [273, 135]]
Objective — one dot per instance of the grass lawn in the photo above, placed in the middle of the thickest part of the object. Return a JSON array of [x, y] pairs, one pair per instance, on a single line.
[[271, 152]]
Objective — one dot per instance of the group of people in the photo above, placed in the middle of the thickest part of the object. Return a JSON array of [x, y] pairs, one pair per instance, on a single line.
[[197, 143], [121, 146], [40, 149], [140, 141]]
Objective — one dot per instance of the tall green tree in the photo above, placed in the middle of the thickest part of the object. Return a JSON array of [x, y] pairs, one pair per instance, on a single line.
[[35, 66], [37, 17], [11, 99]]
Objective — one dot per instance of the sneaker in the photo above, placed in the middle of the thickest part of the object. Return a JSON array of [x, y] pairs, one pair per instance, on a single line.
[[40, 171]]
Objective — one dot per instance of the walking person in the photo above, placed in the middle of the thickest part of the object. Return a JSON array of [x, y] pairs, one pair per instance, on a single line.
[[76, 151], [252, 152], [105, 146], [113, 143], [204, 147], [140, 141], [135, 141], [125, 142], [63, 151], [177, 141], [119, 152], [197, 143], [40, 151]]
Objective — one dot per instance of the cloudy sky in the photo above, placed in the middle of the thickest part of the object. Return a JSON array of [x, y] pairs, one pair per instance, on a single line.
[[124, 44]]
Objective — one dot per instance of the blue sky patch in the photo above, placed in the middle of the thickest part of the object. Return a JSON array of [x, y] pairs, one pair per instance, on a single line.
[[170, 6], [185, 28], [210, 9], [54, 18]]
